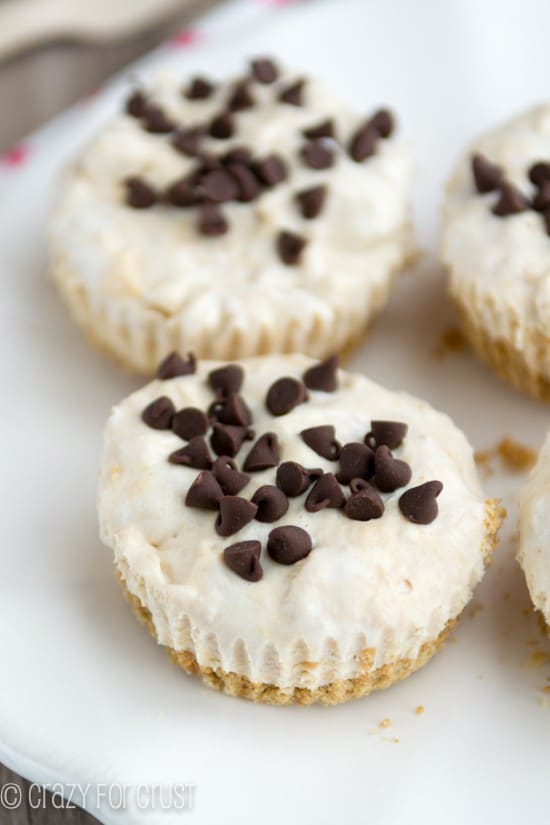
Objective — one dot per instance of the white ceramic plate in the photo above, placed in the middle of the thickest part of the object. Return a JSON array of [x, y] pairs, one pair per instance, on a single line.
[[86, 696]]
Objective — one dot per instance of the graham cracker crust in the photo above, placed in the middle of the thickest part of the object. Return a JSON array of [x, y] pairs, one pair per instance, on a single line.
[[335, 692]]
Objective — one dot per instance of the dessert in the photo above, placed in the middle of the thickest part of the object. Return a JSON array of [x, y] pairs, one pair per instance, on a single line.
[[534, 552]]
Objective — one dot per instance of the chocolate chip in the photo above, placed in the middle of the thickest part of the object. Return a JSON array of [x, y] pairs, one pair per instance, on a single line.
[[311, 201], [325, 129], [264, 70], [219, 186], [271, 170], [288, 544], [323, 376], [364, 504], [390, 433], [174, 365], [316, 155], [226, 439], [189, 422], [235, 513], [199, 89], [487, 175], [285, 394], [264, 454], [241, 98], [188, 141], [293, 94], [293, 479], [246, 181], [159, 413], [239, 154], [226, 381], [290, 247], [326, 492], [208, 162], [139, 194], [156, 121], [231, 480], [322, 441], [211, 221], [363, 142], [418, 504], [510, 202], [541, 201], [358, 485], [389, 472], [135, 105], [243, 558], [222, 126], [272, 503], [205, 492], [195, 454], [182, 193], [382, 121], [539, 173], [356, 461], [233, 410]]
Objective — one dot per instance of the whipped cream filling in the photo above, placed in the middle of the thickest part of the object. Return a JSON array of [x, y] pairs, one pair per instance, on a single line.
[[386, 584], [534, 528], [506, 260]]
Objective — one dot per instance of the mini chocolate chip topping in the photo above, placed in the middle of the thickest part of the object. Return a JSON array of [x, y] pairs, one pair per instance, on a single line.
[[245, 180], [243, 558], [174, 365], [205, 492], [220, 186], [382, 121], [189, 422], [239, 154], [364, 504], [135, 105], [311, 201], [233, 410], [139, 193], [293, 94], [510, 202], [290, 247], [226, 439], [323, 376], [199, 89], [326, 492], [539, 173], [211, 221], [316, 155], [182, 193], [285, 394], [487, 175], [390, 433], [222, 126], [322, 441], [272, 503], [188, 141], [356, 461], [288, 544], [159, 413], [271, 170], [156, 121], [363, 142], [230, 479], [264, 454], [226, 381], [195, 454], [389, 472], [241, 97], [325, 129], [235, 513], [541, 201], [293, 479], [418, 504], [264, 70]]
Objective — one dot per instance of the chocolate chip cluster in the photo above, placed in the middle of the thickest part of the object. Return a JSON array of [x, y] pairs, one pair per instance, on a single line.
[[368, 468], [488, 177], [240, 175]]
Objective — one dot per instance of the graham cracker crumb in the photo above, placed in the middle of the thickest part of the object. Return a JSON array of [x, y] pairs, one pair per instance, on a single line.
[[419, 709], [475, 608], [385, 723], [545, 689], [395, 740], [514, 456], [538, 659], [451, 340]]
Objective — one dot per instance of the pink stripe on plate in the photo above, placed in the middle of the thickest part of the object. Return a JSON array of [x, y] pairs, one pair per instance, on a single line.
[[16, 156], [187, 37]]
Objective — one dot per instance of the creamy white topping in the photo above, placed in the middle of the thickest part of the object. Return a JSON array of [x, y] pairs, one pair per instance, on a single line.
[[534, 528], [386, 583]]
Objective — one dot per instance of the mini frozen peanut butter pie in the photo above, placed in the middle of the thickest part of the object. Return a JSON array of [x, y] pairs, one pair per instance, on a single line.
[[496, 247], [289, 531], [255, 215], [534, 531]]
